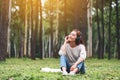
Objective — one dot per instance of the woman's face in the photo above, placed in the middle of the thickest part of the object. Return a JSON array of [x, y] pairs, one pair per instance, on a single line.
[[72, 36]]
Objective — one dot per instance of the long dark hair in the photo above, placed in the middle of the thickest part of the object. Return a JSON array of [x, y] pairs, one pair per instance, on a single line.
[[79, 39]]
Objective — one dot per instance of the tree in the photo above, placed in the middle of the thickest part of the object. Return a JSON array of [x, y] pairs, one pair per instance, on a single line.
[[32, 32], [102, 15], [109, 47], [4, 29], [51, 28], [90, 28], [117, 29], [56, 45], [29, 29], [36, 25], [40, 36], [21, 28], [8, 41], [98, 27], [26, 31]]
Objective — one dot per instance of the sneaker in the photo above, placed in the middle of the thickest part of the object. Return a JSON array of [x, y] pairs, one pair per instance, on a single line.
[[72, 73], [64, 73]]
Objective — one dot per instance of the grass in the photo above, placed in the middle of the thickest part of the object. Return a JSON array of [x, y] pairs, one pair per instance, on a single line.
[[27, 69]]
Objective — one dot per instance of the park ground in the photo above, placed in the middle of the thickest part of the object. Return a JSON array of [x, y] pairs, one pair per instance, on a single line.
[[27, 69]]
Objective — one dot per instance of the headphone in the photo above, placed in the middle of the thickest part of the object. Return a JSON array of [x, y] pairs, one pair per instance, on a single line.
[[77, 41]]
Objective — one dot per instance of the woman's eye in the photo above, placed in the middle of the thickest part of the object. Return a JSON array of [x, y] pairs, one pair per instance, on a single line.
[[73, 34]]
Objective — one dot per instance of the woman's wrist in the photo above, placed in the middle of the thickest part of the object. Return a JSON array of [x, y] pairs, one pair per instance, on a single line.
[[65, 43], [75, 64]]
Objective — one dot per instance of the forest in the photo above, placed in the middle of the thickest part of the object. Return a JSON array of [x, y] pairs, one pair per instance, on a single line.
[[36, 28], [33, 31]]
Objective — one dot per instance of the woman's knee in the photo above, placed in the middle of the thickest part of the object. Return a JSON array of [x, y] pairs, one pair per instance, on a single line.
[[81, 67]]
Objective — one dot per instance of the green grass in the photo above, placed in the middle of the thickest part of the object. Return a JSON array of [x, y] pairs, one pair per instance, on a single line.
[[27, 69]]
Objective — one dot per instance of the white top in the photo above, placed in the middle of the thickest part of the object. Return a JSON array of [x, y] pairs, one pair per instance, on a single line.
[[74, 53]]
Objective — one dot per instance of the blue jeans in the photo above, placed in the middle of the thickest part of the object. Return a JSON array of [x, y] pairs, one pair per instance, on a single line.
[[64, 63]]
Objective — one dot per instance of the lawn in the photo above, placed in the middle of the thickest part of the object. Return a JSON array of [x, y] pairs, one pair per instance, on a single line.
[[27, 69]]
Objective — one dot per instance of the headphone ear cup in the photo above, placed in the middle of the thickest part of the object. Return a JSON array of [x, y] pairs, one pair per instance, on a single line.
[[77, 40]]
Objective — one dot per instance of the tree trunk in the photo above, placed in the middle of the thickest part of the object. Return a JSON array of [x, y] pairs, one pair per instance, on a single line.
[[0, 11], [8, 47], [57, 32], [4, 29], [102, 10], [36, 26], [40, 36], [29, 30], [98, 26], [22, 17], [90, 28], [32, 33], [25, 38], [51, 28], [84, 22], [110, 21], [49, 38], [117, 30]]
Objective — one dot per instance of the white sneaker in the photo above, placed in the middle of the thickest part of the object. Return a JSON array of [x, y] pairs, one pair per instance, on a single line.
[[64, 73], [72, 73]]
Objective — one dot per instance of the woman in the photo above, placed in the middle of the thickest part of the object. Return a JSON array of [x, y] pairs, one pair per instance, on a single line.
[[72, 54]]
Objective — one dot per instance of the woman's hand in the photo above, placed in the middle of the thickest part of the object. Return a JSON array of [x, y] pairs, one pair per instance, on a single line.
[[64, 45], [73, 67], [66, 39]]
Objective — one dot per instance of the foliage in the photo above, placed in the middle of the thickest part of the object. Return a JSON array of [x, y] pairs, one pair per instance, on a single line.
[[27, 69], [106, 27], [67, 13]]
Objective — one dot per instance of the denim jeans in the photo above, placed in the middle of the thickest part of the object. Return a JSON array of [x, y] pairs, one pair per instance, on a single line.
[[64, 63]]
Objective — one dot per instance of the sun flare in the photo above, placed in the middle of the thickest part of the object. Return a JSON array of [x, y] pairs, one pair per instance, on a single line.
[[43, 1]]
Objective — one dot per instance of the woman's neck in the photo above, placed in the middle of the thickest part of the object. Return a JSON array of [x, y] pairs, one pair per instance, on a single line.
[[72, 44]]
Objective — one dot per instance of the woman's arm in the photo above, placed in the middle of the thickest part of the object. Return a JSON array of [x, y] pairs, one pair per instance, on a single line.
[[81, 58], [76, 63], [63, 47]]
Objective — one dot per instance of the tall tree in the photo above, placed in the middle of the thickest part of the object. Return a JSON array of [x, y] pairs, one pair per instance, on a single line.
[[0, 10], [29, 29], [102, 15], [26, 22], [32, 32], [98, 27], [56, 47], [8, 41], [90, 28], [117, 29], [22, 9], [36, 25], [109, 36], [40, 36], [51, 28], [84, 20], [4, 29]]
